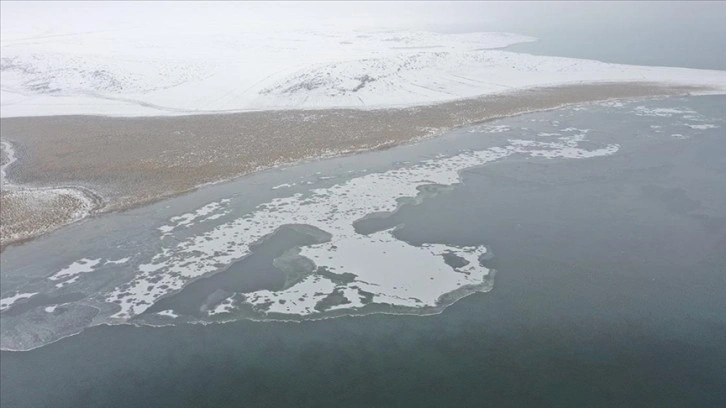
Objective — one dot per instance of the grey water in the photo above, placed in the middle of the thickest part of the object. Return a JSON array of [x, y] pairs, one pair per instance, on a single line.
[[609, 291], [674, 33]]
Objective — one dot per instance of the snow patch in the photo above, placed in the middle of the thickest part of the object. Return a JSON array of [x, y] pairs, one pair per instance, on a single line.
[[8, 301]]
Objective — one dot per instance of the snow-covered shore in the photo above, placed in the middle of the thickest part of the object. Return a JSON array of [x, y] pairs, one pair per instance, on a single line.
[[141, 72]]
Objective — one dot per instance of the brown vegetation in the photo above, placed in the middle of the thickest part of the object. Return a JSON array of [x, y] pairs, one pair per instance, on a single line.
[[131, 161]]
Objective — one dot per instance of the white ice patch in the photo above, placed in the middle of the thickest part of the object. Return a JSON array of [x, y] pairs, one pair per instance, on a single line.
[[375, 260], [283, 185], [612, 104], [50, 309], [8, 301], [224, 307], [67, 282], [575, 130], [209, 212], [84, 265], [489, 129], [168, 313], [353, 299], [71, 273], [299, 299], [661, 112], [396, 273], [118, 261], [694, 117], [703, 127]]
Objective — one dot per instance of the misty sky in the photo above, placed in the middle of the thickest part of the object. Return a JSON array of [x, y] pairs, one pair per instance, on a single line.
[[683, 33], [523, 16]]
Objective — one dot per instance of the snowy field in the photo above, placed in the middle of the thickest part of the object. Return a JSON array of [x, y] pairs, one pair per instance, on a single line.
[[140, 71]]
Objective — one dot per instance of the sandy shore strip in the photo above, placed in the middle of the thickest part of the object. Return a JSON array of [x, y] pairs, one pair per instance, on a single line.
[[63, 162], [27, 211]]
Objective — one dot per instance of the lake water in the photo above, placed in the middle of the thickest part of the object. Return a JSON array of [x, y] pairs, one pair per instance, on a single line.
[[682, 34], [658, 45], [610, 275]]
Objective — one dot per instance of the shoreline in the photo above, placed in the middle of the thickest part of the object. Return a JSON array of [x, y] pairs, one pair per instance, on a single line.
[[674, 103], [66, 203], [150, 171], [166, 112]]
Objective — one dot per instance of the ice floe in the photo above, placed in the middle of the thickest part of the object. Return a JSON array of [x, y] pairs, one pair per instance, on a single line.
[[283, 185], [661, 112], [209, 212], [71, 273], [351, 266], [8, 301], [118, 261], [489, 129], [703, 126], [81, 266], [168, 313], [224, 307]]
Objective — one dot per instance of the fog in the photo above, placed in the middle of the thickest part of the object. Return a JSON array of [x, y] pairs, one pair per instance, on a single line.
[[686, 33], [450, 16]]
